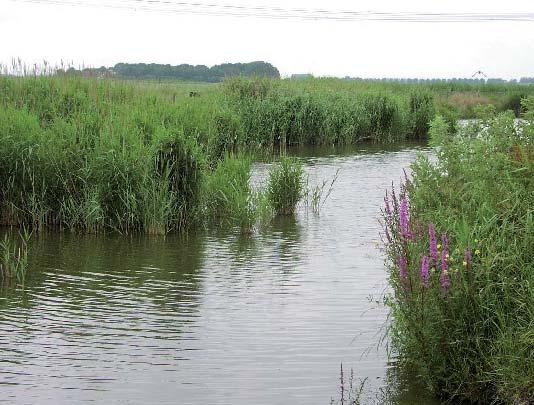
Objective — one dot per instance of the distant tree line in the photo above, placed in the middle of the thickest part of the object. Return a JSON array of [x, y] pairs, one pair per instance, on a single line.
[[523, 80], [197, 73], [217, 73]]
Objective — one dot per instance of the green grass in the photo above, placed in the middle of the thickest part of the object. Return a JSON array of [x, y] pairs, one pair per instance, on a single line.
[[467, 329]]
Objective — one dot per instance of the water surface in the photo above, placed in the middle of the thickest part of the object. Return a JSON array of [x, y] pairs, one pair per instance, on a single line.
[[214, 318]]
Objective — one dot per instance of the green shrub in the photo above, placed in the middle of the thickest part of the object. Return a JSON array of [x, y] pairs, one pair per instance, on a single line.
[[450, 114], [513, 102]]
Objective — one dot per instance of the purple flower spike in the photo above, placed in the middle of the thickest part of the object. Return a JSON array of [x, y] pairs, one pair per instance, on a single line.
[[424, 271], [402, 268], [444, 241], [433, 243], [403, 218]]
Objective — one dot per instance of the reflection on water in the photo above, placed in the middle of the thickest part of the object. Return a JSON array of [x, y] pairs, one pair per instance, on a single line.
[[216, 317]]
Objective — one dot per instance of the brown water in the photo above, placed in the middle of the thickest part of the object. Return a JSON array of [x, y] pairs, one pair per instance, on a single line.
[[214, 318]]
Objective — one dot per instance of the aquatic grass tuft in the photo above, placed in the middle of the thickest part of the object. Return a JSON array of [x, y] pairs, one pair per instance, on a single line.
[[285, 186], [14, 257], [316, 196]]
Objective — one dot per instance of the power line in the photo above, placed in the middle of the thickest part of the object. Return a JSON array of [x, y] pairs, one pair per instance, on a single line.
[[210, 9]]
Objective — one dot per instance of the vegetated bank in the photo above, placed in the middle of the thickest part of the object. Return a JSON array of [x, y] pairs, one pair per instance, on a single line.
[[459, 240], [101, 154]]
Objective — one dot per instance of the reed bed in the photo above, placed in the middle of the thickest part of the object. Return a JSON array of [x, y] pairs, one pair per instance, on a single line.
[[102, 154]]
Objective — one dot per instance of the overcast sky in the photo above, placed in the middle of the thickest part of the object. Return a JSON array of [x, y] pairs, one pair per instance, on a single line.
[[92, 35]]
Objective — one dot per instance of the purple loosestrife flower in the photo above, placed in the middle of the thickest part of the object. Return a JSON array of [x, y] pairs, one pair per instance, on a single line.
[[444, 241], [403, 218], [393, 195], [424, 271], [433, 243], [402, 268]]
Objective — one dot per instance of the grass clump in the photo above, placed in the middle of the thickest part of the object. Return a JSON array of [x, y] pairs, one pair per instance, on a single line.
[[285, 187], [459, 240], [422, 111]]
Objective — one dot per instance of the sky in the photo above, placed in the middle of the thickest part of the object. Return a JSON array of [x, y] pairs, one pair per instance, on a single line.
[[92, 33]]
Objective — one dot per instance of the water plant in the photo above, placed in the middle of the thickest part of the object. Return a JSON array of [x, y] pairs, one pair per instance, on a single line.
[[14, 257], [350, 390], [285, 187], [316, 196]]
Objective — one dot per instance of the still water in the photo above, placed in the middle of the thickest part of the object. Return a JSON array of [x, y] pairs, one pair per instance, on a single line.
[[214, 318]]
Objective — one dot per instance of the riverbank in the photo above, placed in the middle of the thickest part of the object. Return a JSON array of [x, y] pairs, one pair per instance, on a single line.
[[459, 238]]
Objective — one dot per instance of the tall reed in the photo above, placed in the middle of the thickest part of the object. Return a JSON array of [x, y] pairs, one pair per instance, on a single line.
[[228, 198], [14, 257], [285, 187]]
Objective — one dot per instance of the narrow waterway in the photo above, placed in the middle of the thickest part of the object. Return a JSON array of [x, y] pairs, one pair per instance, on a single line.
[[214, 318]]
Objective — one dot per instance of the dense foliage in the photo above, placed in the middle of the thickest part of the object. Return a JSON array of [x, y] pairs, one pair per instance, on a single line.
[[459, 239], [194, 73]]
